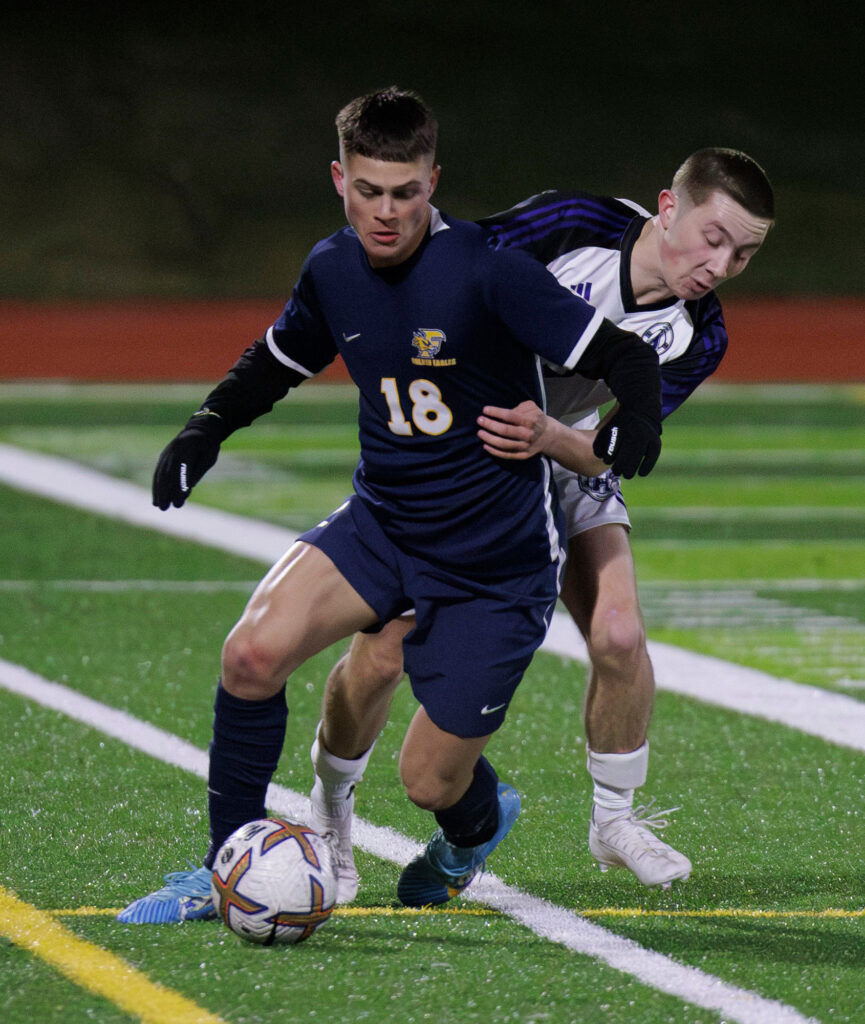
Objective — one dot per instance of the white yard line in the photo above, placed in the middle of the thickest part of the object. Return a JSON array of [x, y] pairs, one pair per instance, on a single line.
[[830, 716], [557, 924]]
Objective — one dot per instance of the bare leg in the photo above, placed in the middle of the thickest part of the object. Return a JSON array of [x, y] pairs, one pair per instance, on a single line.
[[600, 592], [302, 605], [437, 767], [360, 688], [355, 706]]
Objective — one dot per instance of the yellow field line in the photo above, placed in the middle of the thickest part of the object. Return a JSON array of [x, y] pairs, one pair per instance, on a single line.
[[731, 912], [340, 911], [829, 913], [95, 968]]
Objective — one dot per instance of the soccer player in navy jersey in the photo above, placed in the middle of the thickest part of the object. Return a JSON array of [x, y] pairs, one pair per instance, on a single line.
[[654, 275], [433, 325]]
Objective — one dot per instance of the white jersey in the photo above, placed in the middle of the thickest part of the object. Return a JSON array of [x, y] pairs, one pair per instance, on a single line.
[[587, 242]]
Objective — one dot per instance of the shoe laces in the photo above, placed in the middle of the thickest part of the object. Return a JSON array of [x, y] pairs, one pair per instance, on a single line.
[[656, 820], [637, 829], [341, 847], [194, 878]]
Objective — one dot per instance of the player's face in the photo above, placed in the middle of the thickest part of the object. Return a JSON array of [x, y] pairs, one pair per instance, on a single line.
[[701, 246], [386, 203]]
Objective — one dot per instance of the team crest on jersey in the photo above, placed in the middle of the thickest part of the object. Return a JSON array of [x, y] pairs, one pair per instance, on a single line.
[[428, 344], [659, 336], [599, 487]]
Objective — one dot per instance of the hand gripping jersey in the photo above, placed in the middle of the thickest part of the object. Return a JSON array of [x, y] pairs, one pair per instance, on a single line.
[[586, 241], [429, 343]]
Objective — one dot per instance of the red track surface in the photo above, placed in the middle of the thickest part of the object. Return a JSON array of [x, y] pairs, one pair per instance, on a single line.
[[770, 339]]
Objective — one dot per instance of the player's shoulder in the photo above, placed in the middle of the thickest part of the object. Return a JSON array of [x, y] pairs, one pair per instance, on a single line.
[[465, 244], [705, 309], [557, 205], [560, 221], [334, 245], [454, 230]]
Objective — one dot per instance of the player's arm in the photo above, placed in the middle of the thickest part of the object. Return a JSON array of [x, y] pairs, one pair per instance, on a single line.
[[630, 439], [526, 430], [681, 375], [547, 317], [251, 388]]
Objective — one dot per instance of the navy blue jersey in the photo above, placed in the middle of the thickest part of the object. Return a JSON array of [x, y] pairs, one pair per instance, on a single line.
[[429, 343], [586, 241]]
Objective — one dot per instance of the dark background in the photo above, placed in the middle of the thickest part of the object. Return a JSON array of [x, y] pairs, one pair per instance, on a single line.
[[182, 151]]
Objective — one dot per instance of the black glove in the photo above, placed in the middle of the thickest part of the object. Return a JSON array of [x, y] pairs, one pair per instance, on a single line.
[[630, 443], [186, 459]]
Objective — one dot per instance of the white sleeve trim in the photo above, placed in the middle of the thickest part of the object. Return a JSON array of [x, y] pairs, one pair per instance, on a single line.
[[282, 357], [583, 341]]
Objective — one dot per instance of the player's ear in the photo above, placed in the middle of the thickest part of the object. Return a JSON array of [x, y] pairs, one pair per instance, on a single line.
[[434, 177], [338, 175], [667, 202]]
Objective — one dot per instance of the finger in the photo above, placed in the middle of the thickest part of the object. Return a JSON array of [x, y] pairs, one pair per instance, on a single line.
[[504, 429], [498, 441], [650, 459], [497, 411], [493, 412], [500, 453]]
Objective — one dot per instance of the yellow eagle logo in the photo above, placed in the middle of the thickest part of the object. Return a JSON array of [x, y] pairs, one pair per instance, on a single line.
[[428, 343]]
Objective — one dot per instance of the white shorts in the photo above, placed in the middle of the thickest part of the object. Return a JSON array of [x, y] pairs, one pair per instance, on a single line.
[[590, 501]]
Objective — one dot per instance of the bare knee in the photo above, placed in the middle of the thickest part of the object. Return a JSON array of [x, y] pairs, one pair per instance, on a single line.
[[432, 793], [617, 639], [433, 787], [249, 668]]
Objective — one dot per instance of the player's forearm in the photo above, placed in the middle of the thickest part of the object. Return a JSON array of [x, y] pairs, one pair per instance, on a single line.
[[526, 431], [572, 448], [249, 390]]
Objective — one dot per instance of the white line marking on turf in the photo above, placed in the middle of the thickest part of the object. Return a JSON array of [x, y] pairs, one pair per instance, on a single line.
[[830, 716], [551, 922], [72, 484]]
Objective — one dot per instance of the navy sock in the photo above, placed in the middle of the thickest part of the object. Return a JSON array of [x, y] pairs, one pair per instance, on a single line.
[[248, 736], [474, 818]]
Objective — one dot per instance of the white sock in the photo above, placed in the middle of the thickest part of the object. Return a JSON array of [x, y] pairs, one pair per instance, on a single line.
[[335, 777], [615, 777]]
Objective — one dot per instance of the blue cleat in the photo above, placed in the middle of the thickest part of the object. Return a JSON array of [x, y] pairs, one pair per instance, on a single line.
[[442, 871], [186, 896]]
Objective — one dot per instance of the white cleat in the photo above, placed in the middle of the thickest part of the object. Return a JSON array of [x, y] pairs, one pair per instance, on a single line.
[[628, 841], [332, 819]]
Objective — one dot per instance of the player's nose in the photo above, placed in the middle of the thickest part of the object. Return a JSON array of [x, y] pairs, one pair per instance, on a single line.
[[386, 207], [719, 264]]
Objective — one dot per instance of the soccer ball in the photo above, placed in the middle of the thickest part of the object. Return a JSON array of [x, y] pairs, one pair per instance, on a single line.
[[274, 881]]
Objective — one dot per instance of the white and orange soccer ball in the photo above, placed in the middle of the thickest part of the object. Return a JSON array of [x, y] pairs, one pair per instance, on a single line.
[[274, 881]]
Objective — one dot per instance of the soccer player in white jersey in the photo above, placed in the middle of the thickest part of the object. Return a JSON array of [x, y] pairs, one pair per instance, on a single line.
[[433, 325], [654, 275]]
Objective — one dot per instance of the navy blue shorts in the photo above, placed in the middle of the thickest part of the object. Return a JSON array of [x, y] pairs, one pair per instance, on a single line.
[[474, 639]]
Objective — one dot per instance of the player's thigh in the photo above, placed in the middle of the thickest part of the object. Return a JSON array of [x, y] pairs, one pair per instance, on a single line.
[[301, 606], [600, 576]]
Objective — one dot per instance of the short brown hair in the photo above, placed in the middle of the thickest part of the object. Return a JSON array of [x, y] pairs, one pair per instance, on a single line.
[[391, 124], [727, 170]]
